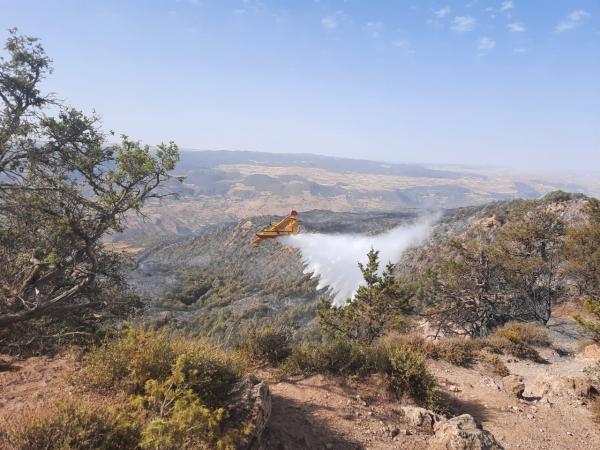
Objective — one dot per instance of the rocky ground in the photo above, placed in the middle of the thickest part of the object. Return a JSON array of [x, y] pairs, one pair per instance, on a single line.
[[323, 412]]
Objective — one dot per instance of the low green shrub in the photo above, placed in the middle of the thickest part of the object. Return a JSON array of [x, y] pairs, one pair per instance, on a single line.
[[78, 426], [128, 361], [177, 387], [267, 344], [175, 417], [339, 356], [207, 370], [407, 374], [404, 368], [139, 355]]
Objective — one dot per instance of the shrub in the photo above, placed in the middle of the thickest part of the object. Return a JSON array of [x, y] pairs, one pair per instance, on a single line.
[[516, 348], [457, 351], [379, 304], [78, 426], [593, 372], [415, 342], [129, 361], [179, 419], [339, 356], [178, 390], [407, 375], [404, 368], [267, 344], [206, 369], [524, 332]]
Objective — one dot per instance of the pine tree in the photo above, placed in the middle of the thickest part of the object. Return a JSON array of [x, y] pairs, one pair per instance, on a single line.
[[378, 305]]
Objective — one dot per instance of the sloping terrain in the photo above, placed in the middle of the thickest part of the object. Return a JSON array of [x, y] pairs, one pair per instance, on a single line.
[[216, 271], [216, 280]]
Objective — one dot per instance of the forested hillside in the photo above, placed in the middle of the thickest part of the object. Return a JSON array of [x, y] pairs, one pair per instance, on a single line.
[[216, 281]]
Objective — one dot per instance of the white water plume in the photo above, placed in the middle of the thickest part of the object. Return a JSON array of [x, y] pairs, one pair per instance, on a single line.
[[334, 257]]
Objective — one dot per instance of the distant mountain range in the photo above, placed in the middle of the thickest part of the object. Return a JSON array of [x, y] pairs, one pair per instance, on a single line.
[[224, 186]]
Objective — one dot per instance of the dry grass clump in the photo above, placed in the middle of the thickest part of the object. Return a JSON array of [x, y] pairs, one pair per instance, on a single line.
[[515, 339], [77, 425], [523, 332], [502, 345], [456, 350], [413, 341], [493, 364]]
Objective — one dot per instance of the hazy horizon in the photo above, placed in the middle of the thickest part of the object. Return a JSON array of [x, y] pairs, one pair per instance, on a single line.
[[583, 172], [510, 84]]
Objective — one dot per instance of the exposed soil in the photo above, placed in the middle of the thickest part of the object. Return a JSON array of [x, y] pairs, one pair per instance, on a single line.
[[29, 384], [326, 412]]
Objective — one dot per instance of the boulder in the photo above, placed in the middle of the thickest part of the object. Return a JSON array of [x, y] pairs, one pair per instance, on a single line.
[[513, 384], [421, 417], [462, 433], [250, 404], [542, 388]]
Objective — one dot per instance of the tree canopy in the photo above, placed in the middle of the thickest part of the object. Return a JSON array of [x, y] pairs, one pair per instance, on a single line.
[[63, 188], [512, 273]]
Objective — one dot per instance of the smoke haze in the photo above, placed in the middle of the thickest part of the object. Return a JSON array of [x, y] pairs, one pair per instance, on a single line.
[[334, 257]]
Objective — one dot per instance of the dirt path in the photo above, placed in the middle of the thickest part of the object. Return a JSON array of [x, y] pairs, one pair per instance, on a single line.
[[327, 413], [561, 423]]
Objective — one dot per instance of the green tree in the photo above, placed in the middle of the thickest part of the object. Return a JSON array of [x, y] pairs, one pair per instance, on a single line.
[[530, 249], [381, 303], [466, 293], [490, 277], [63, 189], [582, 255]]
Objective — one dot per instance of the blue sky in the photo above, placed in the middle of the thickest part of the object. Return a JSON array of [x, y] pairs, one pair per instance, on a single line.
[[510, 83]]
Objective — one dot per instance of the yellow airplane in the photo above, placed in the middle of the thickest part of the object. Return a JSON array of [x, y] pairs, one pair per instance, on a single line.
[[286, 227]]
